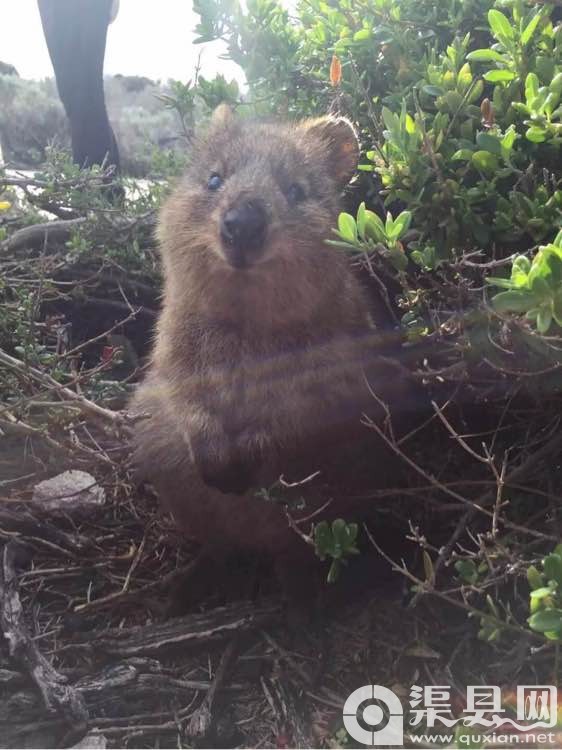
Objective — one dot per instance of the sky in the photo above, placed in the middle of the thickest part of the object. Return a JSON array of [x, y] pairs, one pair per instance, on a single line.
[[148, 38]]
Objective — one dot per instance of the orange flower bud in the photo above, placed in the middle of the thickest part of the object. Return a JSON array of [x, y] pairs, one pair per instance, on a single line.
[[335, 71]]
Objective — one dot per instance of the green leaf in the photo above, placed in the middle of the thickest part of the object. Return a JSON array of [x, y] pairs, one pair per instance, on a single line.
[[391, 120], [347, 227], [453, 100], [389, 225], [557, 308], [509, 138], [502, 283], [418, 257], [477, 91], [467, 570], [361, 220], [538, 283], [485, 161], [486, 55], [322, 539], [374, 227], [342, 45], [428, 567], [532, 314], [546, 620], [342, 244], [520, 271], [550, 103], [530, 29], [410, 124], [522, 264], [333, 573], [552, 568], [464, 78], [490, 143], [499, 76], [362, 35], [523, 109], [516, 301], [500, 24], [463, 154], [535, 579], [536, 105], [433, 90], [541, 593], [553, 260], [536, 135], [400, 226], [338, 535], [544, 319], [558, 241], [556, 84], [352, 533]]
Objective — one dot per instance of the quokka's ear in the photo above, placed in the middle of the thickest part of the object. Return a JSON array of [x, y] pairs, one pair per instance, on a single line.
[[222, 117], [340, 141]]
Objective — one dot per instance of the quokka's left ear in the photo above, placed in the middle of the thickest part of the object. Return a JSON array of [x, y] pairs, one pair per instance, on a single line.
[[222, 116], [223, 120], [339, 138]]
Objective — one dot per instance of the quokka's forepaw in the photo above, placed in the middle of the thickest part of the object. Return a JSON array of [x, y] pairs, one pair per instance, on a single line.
[[233, 478]]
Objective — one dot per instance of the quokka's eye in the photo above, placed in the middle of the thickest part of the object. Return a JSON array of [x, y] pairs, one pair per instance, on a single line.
[[214, 182], [295, 193]]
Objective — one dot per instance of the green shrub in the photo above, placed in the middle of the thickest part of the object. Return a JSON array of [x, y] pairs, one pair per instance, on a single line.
[[546, 596], [31, 118], [457, 104], [143, 114]]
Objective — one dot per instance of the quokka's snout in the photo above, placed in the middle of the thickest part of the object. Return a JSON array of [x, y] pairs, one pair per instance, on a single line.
[[243, 230]]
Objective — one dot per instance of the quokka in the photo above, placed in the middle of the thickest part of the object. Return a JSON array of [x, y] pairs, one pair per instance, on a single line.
[[266, 353]]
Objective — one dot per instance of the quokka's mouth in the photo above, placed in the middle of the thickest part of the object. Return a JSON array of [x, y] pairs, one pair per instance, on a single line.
[[237, 259]]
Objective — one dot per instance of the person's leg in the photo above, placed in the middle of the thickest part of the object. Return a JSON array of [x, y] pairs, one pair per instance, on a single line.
[[76, 31]]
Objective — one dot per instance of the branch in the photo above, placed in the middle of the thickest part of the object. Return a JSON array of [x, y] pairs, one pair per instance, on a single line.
[[115, 418], [182, 632], [39, 235], [57, 695]]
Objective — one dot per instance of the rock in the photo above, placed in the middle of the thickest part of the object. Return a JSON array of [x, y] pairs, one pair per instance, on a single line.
[[70, 492]]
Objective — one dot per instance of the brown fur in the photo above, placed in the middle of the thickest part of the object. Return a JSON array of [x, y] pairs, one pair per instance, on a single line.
[[261, 371]]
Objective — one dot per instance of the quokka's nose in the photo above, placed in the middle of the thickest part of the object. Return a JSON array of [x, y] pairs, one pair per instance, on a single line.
[[243, 230]]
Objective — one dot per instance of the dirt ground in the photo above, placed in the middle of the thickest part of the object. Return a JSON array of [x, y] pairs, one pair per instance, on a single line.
[[102, 597]]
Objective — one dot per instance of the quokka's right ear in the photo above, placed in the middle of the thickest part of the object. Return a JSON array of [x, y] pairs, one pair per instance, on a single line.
[[340, 142], [222, 117]]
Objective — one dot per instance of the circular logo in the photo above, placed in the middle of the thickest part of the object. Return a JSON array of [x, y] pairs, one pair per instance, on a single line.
[[373, 715]]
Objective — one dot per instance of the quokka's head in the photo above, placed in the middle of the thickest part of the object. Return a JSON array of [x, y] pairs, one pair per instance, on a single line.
[[258, 192]]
